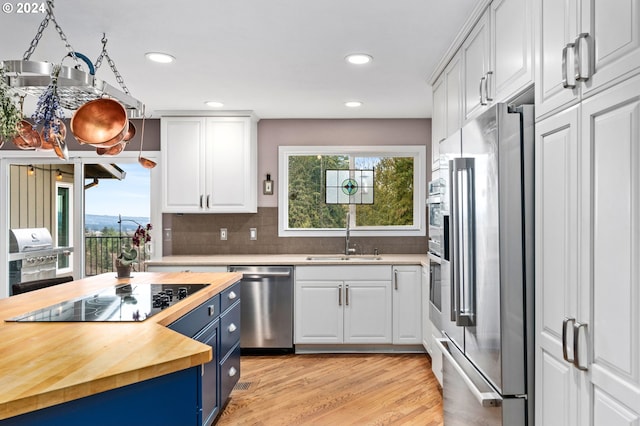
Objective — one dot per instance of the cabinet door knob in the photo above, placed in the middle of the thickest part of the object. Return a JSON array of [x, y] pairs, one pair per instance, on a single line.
[[232, 295], [232, 327], [232, 371], [212, 310]]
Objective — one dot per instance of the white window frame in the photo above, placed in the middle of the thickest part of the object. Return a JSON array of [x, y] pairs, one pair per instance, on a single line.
[[69, 187], [419, 154]]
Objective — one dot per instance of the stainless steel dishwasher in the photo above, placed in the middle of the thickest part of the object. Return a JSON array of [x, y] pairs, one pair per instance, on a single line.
[[266, 307]]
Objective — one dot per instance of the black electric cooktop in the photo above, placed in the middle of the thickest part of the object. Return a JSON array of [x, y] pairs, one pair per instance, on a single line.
[[123, 303]]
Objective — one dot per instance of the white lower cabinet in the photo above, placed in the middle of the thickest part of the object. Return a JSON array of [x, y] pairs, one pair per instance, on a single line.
[[407, 305], [343, 304]]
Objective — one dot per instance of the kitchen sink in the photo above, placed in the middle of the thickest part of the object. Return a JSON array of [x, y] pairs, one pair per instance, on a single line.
[[337, 257]]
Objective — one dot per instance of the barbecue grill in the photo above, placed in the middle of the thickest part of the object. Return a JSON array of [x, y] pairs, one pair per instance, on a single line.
[[32, 255]]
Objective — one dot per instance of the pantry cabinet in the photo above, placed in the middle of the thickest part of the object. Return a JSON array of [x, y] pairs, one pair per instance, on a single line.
[[587, 241], [209, 164], [583, 46]]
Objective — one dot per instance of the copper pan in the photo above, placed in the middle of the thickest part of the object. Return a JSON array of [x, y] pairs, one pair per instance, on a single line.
[[102, 122], [27, 137]]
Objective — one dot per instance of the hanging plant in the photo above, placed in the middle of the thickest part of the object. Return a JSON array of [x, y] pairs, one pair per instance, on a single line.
[[10, 116], [48, 111]]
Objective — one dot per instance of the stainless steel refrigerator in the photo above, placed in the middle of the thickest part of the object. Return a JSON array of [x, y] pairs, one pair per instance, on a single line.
[[488, 310]]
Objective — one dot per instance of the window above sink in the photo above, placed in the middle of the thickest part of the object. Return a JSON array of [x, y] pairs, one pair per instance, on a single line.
[[400, 174]]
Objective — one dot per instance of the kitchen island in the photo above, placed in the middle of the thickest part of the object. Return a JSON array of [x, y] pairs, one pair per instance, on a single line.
[[46, 366]]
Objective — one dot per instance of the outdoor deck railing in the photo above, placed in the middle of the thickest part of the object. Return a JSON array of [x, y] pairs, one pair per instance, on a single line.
[[100, 253]]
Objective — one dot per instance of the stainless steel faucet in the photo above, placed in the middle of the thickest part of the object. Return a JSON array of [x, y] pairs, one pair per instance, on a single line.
[[347, 249]]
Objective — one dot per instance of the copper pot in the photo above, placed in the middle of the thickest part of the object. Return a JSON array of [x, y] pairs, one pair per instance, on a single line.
[[114, 150], [102, 122], [27, 137], [48, 140], [131, 132]]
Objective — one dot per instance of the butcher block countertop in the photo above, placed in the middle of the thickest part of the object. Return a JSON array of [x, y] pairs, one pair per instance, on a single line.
[[44, 364]]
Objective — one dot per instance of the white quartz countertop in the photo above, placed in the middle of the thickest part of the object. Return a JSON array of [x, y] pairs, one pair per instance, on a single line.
[[290, 259]]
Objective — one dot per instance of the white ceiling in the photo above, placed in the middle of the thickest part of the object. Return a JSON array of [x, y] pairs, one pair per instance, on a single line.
[[279, 58]]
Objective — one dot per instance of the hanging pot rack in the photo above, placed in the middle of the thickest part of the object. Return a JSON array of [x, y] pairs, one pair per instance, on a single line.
[[75, 85]]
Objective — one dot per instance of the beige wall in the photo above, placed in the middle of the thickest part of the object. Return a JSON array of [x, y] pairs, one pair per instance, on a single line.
[[365, 132]]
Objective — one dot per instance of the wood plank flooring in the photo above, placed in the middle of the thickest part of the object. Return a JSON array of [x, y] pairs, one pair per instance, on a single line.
[[335, 389]]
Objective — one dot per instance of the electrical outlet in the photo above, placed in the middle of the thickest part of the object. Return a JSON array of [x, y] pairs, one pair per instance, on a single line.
[[253, 233], [223, 234], [166, 234]]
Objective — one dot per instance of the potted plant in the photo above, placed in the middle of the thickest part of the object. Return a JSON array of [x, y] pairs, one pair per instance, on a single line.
[[125, 260]]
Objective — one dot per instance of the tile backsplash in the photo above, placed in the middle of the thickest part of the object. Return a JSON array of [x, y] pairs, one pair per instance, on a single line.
[[199, 234]]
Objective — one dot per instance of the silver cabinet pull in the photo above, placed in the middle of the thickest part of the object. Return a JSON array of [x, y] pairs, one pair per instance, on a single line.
[[346, 294], [577, 57], [395, 279], [232, 371], [482, 80], [232, 295], [565, 78], [212, 310], [565, 351], [201, 198], [486, 86], [232, 327], [208, 196], [576, 347], [340, 295]]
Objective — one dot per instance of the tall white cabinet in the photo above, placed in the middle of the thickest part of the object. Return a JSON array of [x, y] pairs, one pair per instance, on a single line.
[[588, 214], [209, 164]]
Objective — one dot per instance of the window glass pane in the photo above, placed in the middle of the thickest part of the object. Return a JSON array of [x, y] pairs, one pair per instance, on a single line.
[[393, 194], [64, 225], [386, 186], [307, 207]]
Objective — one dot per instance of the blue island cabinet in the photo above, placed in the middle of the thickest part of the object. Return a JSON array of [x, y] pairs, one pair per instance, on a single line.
[[217, 324], [193, 396]]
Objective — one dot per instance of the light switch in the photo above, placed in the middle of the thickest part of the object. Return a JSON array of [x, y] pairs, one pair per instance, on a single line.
[[253, 233], [223, 234]]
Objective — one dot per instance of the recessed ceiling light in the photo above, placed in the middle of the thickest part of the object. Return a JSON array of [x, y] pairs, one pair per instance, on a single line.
[[353, 104], [214, 104], [359, 58], [162, 58]]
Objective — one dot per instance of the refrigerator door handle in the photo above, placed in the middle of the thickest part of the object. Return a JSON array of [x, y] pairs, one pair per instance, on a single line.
[[485, 399], [463, 286], [565, 350]]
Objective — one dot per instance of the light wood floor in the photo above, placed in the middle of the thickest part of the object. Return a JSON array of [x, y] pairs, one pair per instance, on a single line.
[[335, 389]]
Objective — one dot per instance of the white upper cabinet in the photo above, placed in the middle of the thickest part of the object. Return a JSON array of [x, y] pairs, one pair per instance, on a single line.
[[209, 164], [453, 80], [583, 46], [477, 75], [497, 57], [511, 48], [438, 120]]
